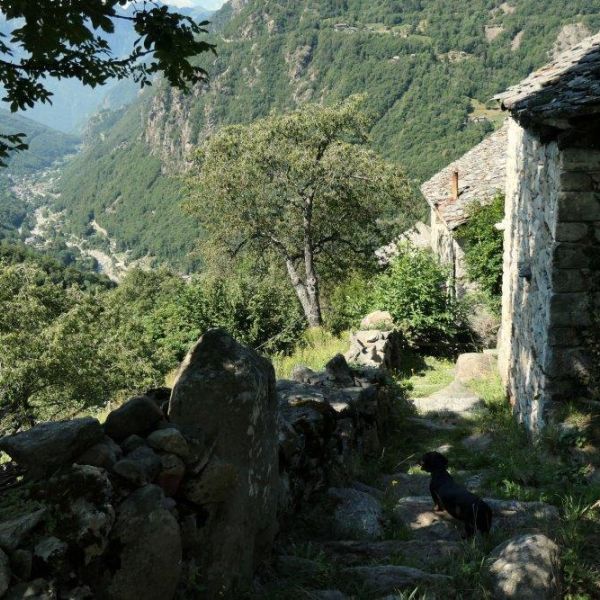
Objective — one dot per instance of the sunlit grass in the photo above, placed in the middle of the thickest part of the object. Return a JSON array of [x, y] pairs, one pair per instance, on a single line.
[[427, 375], [316, 348]]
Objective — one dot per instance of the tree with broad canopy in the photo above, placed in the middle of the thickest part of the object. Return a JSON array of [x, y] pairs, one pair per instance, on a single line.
[[303, 187]]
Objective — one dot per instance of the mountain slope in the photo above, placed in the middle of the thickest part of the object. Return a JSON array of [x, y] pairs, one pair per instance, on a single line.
[[428, 69], [45, 147]]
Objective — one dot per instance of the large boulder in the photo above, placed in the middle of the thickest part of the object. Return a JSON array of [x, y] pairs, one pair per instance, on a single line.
[[225, 394], [104, 454], [47, 446], [14, 531], [373, 348], [357, 516], [379, 319], [473, 365], [525, 568], [138, 416]]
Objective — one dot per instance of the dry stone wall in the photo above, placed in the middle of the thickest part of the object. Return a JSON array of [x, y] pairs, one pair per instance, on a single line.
[[180, 494], [551, 273]]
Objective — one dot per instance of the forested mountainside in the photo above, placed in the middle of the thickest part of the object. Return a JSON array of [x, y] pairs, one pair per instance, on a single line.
[[46, 146], [429, 69]]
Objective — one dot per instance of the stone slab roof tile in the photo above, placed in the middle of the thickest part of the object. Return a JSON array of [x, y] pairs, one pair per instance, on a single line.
[[481, 176], [566, 88]]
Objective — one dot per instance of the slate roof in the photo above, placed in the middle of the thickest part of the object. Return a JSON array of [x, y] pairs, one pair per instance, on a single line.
[[566, 88], [481, 175]]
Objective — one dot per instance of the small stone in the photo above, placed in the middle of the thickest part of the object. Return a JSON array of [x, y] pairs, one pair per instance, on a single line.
[[303, 374], [94, 523], [138, 416], [5, 573], [50, 550], [132, 442], [339, 370], [38, 589], [525, 568], [21, 561], [14, 532], [169, 440], [104, 454], [50, 445], [357, 516], [139, 467], [82, 592], [171, 474], [79, 481]]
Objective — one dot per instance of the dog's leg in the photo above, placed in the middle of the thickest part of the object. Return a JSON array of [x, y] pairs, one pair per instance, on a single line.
[[437, 503]]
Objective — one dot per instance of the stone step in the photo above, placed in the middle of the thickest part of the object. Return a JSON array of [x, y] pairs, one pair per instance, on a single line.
[[414, 553], [389, 579], [455, 399], [440, 424], [417, 514]]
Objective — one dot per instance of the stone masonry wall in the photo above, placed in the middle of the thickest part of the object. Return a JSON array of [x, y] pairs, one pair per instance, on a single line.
[[448, 250], [180, 494], [550, 273]]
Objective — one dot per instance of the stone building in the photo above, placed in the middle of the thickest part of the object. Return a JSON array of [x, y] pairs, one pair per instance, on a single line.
[[476, 177], [550, 342]]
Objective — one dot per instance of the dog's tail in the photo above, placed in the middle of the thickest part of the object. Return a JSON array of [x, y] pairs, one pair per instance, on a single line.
[[483, 517]]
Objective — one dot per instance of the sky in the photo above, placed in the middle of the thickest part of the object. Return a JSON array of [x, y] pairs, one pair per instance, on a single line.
[[210, 4]]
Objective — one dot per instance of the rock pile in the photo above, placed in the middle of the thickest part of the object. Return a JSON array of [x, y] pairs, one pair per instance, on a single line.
[[325, 419], [183, 491], [376, 348]]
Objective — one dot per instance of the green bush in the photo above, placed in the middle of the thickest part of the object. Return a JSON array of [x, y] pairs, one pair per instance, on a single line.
[[415, 291], [483, 245], [348, 303]]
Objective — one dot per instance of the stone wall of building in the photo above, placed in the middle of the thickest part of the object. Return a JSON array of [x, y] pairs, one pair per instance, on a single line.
[[551, 269], [450, 253]]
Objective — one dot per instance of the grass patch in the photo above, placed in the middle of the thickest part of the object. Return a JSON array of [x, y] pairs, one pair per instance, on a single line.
[[423, 376], [316, 348]]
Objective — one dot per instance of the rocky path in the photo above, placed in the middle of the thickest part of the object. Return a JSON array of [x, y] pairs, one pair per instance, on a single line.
[[378, 537]]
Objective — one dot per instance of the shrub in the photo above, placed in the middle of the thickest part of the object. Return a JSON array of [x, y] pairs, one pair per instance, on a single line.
[[415, 291], [483, 245], [348, 303]]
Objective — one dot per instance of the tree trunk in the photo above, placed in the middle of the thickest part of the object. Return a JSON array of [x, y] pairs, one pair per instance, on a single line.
[[308, 294], [313, 314]]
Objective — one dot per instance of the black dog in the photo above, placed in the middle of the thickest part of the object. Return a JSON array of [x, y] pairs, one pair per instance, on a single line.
[[455, 498]]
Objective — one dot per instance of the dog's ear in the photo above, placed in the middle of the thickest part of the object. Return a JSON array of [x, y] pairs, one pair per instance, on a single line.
[[443, 460]]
